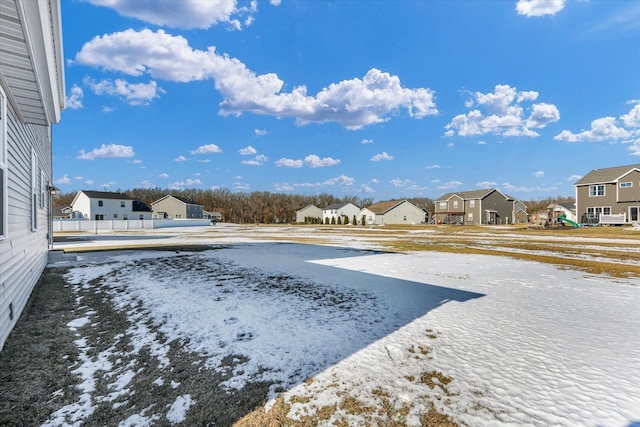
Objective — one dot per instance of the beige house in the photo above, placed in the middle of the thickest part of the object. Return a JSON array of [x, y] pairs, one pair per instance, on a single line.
[[309, 213], [392, 212], [31, 101], [609, 191], [489, 206], [177, 208]]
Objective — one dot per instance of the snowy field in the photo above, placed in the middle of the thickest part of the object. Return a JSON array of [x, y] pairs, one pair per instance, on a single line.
[[485, 340]]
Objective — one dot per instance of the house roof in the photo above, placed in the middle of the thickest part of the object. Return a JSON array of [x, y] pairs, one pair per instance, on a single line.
[[604, 175], [381, 208], [473, 194], [182, 199], [336, 206], [105, 195], [32, 61]]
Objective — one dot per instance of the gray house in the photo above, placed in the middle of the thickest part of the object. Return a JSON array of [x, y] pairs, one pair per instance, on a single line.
[[177, 208], [609, 191], [31, 101], [106, 205], [392, 212], [475, 207]]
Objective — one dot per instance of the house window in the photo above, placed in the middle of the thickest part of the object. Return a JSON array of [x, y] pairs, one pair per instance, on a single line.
[[596, 190], [100, 203], [455, 204], [122, 204], [443, 205], [43, 189], [633, 213], [599, 210], [470, 217], [34, 191], [4, 200], [472, 203], [115, 216], [626, 184]]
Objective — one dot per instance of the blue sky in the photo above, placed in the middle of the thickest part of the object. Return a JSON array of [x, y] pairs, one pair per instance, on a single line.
[[379, 99]]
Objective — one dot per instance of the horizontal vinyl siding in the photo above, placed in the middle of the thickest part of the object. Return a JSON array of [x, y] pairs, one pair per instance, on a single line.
[[23, 253]]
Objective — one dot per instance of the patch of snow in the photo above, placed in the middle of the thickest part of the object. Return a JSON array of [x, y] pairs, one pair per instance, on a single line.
[[178, 410]]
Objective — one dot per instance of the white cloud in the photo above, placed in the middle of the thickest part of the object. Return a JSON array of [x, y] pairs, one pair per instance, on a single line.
[[354, 103], [366, 141], [382, 156], [574, 178], [107, 151], [180, 159], [184, 184], [89, 182], [450, 185], [538, 174], [316, 162], [247, 151], [432, 167], [65, 180], [635, 148], [207, 149], [163, 175], [260, 132], [182, 14], [132, 93], [632, 119], [74, 100], [283, 187], [374, 181], [539, 7], [503, 114], [289, 163], [486, 184], [107, 109], [257, 161], [401, 183], [311, 160], [603, 129], [367, 189]]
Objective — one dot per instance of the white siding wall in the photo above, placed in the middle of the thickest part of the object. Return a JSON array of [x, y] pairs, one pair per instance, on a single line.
[[24, 250]]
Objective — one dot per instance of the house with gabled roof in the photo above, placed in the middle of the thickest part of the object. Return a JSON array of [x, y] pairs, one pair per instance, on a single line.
[[176, 207], [487, 206], [108, 205], [32, 97], [344, 211], [609, 191], [309, 213], [392, 212]]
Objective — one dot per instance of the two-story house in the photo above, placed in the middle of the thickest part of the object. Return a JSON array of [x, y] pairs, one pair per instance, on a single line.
[[106, 205], [344, 211], [609, 191], [31, 100], [175, 207], [488, 206]]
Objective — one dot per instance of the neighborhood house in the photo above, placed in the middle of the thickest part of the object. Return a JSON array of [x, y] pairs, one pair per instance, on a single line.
[[609, 195], [103, 205], [393, 212], [177, 208], [344, 211], [31, 101], [476, 207]]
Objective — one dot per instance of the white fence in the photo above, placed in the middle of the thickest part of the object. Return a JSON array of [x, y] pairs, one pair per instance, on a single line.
[[123, 224], [616, 219]]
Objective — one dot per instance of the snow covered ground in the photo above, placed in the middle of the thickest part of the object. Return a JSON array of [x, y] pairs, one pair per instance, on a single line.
[[486, 340]]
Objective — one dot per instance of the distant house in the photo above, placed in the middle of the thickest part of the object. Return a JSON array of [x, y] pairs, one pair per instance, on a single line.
[[177, 208], [105, 205], [392, 212], [339, 210], [64, 212], [32, 98], [558, 209], [305, 214], [475, 207], [214, 216], [609, 191]]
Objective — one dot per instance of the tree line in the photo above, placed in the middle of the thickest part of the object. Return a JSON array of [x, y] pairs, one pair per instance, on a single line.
[[267, 207]]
